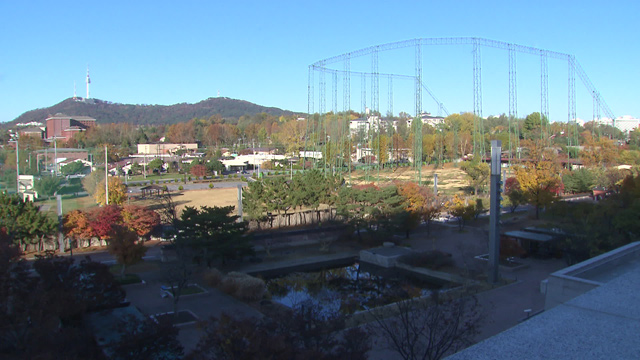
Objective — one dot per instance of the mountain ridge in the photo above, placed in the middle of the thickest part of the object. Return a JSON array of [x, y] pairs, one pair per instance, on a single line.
[[106, 112]]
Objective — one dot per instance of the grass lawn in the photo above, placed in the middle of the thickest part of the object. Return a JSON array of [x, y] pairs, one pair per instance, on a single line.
[[156, 177], [128, 279], [69, 203], [192, 289]]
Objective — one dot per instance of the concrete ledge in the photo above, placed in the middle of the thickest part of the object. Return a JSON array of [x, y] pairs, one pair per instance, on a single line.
[[570, 282]]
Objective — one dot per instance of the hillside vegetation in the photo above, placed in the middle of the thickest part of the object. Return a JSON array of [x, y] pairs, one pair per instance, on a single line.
[[107, 112]]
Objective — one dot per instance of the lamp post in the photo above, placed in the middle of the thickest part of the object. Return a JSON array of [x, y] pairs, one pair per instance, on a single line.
[[17, 163], [106, 176]]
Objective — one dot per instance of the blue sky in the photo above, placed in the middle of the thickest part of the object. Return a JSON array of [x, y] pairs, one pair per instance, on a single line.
[[162, 52]]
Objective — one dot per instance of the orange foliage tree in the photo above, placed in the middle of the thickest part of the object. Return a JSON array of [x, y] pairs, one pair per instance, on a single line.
[[140, 219], [421, 202]]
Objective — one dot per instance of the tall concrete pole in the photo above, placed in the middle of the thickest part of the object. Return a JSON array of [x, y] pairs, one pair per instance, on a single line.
[[435, 184], [240, 202], [55, 156], [494, 220], [106, 175], [17, 164]]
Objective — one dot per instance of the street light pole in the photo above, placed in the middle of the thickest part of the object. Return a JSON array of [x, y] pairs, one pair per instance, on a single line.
[[17, 163], [106, 176], [494, 212]]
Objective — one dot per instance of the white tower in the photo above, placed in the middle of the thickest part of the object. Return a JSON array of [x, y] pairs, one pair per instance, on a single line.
[[75, 97], [88, 82]]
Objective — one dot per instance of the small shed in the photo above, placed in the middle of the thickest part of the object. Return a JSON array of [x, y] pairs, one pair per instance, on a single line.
[[152, 190], [534, 243]]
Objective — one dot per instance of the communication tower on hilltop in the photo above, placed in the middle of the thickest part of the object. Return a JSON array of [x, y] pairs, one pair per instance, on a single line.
[[88, 82], [75, 97]]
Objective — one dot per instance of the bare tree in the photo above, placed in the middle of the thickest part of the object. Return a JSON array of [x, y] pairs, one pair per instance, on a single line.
[[432, 329]]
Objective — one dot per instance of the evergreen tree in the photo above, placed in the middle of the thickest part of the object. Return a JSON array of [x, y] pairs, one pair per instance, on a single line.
[[213, 233]]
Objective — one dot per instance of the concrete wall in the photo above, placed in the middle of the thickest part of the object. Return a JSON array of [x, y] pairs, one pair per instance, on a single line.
[[576, 280]]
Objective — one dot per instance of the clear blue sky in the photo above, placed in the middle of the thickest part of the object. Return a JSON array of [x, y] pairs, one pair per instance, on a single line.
[[167, 52]]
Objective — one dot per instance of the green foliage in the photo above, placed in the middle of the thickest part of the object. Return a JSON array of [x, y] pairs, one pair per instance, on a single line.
[[47, 186], [73, 168], [155, 165], [214, 165], [477, 173], [595, 228], [91, 181], [23, 221], [366, 207], [180, 188], [213, 233], [157, 114], [578, 181], [210, 185], [533, 125]]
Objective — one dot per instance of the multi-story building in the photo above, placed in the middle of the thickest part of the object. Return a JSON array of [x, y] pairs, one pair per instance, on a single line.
[[63, 126], [161, 149]]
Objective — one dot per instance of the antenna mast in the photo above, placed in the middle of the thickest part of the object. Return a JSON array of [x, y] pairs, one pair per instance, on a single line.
[[75, 97], [88, 81]]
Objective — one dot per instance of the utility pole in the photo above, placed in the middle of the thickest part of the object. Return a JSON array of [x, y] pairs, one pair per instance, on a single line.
[[55, 156], [239, 203], [106, 176], [17, 163], [494, 220]]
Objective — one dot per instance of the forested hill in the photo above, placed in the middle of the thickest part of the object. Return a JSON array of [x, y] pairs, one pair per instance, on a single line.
[[106, 112]]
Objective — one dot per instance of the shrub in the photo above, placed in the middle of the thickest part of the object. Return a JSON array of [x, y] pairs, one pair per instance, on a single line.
[[243, 178], [180, 188], [433, 260], [212, 277], [250, 288], [229, 283], [165, 188], [189, 178], [243, 286], [210, 185], [151, 182]]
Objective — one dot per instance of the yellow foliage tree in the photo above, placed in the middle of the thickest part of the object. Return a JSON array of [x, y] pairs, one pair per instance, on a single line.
[[598, 152], [117, 192], [460, 209], [539, 181]]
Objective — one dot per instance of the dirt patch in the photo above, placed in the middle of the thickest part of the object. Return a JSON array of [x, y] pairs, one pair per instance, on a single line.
[[197, 198], [450, 178]]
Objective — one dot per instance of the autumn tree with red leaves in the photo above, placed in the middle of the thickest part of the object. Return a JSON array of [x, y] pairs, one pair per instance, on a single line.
[[102, 219], [198, 170], [140, 219], [76, 226]]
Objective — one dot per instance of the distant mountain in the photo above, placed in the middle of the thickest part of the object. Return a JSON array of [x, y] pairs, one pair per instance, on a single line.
[[107, 112]]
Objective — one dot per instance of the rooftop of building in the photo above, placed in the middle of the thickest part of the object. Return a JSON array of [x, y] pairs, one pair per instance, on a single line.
[[74, 117], [602, 323]]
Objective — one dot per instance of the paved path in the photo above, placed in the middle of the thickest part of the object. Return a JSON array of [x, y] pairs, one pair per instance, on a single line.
[[504, 307], [148, 298]]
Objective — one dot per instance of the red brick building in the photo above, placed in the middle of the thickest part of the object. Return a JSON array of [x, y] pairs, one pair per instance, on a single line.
[[63, 126]]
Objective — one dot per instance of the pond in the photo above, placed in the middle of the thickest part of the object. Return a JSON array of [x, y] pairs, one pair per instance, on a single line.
[[347, 289]]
